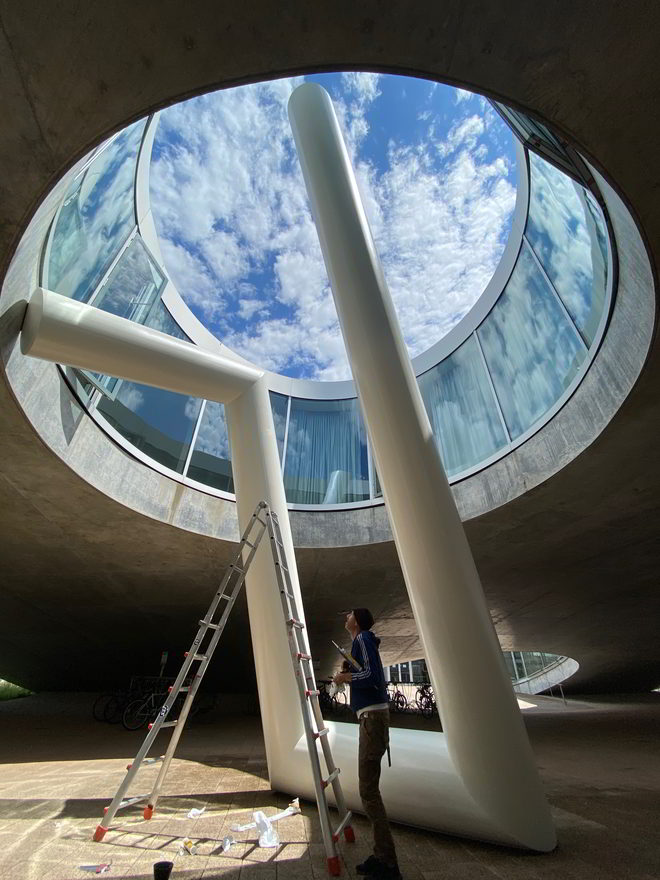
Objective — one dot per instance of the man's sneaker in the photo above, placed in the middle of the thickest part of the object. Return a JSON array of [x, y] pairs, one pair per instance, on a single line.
[[371, 866]]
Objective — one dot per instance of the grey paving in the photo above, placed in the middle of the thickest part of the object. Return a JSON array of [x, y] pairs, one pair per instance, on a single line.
[[58, 768]]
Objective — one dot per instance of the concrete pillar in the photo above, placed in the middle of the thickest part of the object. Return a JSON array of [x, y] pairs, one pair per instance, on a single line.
[[486, 739]]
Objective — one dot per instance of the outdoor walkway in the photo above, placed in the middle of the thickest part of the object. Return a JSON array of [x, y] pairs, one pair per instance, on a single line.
[[59, 768]]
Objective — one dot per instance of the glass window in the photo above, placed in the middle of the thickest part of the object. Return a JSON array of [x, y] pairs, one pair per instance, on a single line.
[[279, 404], [132, 287], [533, 662], [567, 234], [394, 673], [519, 665], [462, 408], [326, 454], [511, 669], [419, 671], [533, 351], [405, 672], [210, 462], [159, 423], [96, 217], [159, 318]]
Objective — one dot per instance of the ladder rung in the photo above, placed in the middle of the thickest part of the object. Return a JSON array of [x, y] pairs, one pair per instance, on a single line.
[[326, 782], [129, 802], [249, 543], [344, 822], [148, 761], [324, 731], [210, 625], [302, 656], [261, 521], [237, 568], [197, 656], [282, 566], [164, 724], [312, 693], [293, 622], [287, 593]]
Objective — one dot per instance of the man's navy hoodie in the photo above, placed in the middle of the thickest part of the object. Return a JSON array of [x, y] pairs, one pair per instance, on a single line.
[[368, 686]]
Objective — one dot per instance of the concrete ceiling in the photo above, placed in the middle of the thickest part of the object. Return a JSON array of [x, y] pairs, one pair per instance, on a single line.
[[569, 567]]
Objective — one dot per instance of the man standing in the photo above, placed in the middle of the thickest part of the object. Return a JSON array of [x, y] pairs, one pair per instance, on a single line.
[[370, 703]]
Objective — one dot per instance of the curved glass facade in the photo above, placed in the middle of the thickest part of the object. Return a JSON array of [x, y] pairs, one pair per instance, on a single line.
[[503, 379]]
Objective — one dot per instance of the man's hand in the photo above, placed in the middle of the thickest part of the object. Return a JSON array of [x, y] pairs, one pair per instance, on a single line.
[[342, 677]]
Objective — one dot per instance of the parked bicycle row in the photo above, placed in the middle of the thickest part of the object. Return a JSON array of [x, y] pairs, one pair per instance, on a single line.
[[403, 698], [139, 703]]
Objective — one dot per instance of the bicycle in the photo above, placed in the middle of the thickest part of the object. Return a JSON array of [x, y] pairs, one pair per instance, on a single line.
[[397, 699], [141, 711], [424, 700], [144, 710]]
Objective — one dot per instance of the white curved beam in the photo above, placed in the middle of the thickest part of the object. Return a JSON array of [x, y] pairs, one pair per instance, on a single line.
[[487, 753], [60, 329]]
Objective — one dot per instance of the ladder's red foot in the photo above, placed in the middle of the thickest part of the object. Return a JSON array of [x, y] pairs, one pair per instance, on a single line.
[[148, 812], [349, 834], [334, 866], [99, 834]]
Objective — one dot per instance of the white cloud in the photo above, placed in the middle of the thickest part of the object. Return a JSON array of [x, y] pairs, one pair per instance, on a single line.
[[130, 396], [461, 95], [229, 202], [364, 86]]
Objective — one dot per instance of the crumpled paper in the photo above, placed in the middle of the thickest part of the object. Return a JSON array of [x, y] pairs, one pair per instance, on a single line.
[[227, 842], [268, 837], [195, 813], [291, 810], [103, 868]]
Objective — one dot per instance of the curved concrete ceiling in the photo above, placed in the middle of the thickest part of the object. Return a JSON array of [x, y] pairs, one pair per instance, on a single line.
[[569, 567]]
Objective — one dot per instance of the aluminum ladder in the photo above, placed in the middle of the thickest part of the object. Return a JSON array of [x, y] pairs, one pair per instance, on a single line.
[[262, 520]]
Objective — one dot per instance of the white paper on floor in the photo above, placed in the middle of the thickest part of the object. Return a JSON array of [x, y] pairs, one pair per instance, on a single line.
[[268, 837], [227, 842], [291, 810], [195, 813]]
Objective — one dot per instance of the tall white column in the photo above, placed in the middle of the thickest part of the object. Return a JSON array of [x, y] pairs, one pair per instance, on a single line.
[[258, 477], [486, 738]]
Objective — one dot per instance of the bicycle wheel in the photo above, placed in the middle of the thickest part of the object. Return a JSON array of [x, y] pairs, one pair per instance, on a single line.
[[399, 702], [137, 713], [114, 708], [98, 709], [426, 707]]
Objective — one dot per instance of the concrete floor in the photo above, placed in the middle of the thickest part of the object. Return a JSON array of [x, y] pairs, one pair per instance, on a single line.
[[599, 761]]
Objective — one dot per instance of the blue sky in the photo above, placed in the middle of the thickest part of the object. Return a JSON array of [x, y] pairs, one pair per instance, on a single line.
[[436, 171]]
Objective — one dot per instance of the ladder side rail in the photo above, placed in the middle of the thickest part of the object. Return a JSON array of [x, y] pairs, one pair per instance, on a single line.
[[289, 608], [234, 568], [330, 763], [310, 678], [171, 748], [203, 628]]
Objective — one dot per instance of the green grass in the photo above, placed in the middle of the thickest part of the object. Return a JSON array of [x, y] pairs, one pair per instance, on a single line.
[[9, 691]]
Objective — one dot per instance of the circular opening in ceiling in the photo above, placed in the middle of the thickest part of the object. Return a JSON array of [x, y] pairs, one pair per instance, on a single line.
[[436, 170]]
